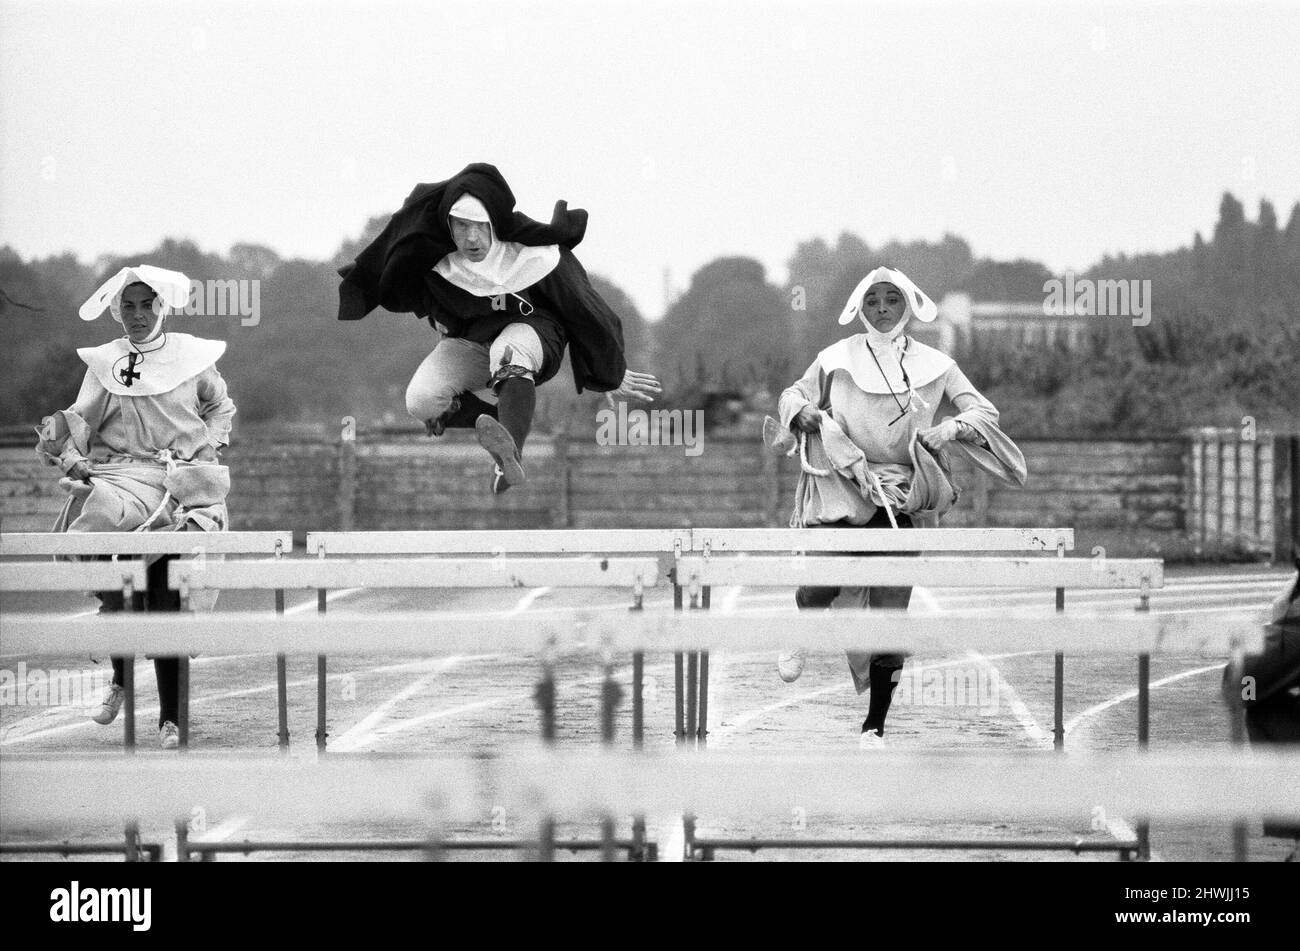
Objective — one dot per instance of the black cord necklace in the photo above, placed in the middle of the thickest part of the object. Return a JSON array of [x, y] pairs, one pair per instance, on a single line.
[[906, 381], [128, 375]]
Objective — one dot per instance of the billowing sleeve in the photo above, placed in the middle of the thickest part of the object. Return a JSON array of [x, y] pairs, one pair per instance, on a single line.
[[595, 331], [804, 391], [65, 437], [992, 449], [216, 408]]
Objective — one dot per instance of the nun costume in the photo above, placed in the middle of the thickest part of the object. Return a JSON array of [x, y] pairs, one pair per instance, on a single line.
[[506, 295], [138, 447], [863, 419]]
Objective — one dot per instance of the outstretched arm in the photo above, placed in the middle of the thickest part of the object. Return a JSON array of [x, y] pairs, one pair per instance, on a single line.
[[636, 386]]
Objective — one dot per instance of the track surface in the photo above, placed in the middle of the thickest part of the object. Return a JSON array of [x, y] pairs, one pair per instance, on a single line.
[[476, 702]]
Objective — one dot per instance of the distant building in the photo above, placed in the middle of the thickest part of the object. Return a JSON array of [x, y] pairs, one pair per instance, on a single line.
[[1018, 322]]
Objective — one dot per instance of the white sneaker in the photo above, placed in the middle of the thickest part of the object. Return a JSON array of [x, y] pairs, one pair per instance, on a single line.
[[789, 664], [871, 740], [114, 696], [169, 735]]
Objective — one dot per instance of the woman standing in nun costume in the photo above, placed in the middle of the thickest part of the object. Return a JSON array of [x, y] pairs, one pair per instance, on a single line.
[[863, 417], [139, 446], [506, 295]]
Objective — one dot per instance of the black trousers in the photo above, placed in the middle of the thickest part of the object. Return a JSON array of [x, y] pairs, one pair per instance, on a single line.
[[877, 672], [168, 669]]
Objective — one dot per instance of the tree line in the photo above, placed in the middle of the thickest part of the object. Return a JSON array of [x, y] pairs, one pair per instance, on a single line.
[[1223, 341]]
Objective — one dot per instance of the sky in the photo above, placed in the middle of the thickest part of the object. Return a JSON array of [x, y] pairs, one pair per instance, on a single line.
[[1057, 132]]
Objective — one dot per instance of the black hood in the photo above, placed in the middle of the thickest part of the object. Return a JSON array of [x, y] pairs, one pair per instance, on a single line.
[[421, 232]]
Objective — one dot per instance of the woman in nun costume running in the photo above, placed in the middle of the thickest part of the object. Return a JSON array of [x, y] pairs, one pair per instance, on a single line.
[[138, 447], [863, 418]]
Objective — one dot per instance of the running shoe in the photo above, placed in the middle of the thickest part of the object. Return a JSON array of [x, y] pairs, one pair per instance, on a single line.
[[169, 735], [496, 439], [789, 664], [114, 696], [871, 740]]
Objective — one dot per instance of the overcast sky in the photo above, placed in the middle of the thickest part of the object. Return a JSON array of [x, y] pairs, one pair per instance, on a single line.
[[1049, 131]]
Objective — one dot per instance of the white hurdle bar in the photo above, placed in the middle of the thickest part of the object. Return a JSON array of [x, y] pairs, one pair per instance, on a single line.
[[126, 576], [321, 574], [438, 633], [636, 574], [531, 542], [539, 785], [135, 544], [763, 571], [788, 540], [142, 545]]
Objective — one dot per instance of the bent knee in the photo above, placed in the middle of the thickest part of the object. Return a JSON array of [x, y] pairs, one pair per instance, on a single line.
[[428, 400], [516, 351]]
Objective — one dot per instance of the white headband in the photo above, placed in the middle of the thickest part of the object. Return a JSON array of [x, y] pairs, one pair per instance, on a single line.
[[469, 208], [919, 304], [172, 288]]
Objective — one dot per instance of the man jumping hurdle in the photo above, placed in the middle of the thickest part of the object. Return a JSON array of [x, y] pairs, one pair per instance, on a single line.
[[507, 296]]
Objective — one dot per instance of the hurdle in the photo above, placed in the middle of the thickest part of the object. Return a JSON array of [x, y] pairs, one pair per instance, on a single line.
[[320, 574], [690, 672], [542, 784], [580, 630], [672, 541], [141, 545], [743, 542]]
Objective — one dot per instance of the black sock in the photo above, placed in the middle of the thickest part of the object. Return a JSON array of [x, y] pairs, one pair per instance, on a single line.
[[883, 681], [471, 408], [168, 670], [516, 400], [119, 671]]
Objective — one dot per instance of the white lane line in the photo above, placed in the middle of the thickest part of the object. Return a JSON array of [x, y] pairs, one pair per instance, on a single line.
[[527, 600], [222, 831], [1092, 711], [330, 596], [625, 674], [743, 720], [17, 733], [359, 733], [1008, 693]]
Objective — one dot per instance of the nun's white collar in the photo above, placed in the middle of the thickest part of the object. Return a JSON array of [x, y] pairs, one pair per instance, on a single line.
[[163, 368], [852, 354]]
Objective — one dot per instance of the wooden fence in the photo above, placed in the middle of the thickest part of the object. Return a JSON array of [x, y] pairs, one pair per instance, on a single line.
[[1177, 497]]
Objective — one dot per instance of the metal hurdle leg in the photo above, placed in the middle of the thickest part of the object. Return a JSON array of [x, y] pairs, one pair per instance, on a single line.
[[281, 684], [679, 730], [702, 727], [1058, 697], [1240, 830], [545, 697], [1144, 723], [692, 689], [182, 840], [132, 851], [610, 694], [128, 684], [128, 677], [321, 732]]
